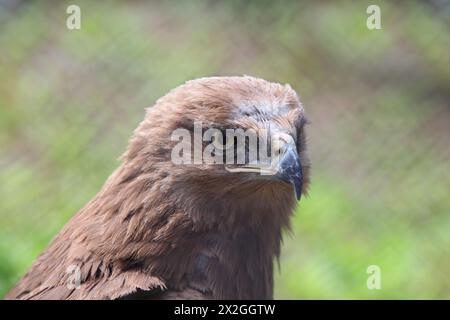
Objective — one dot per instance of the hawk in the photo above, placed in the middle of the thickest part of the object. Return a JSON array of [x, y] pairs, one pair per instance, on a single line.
[[165, 228]]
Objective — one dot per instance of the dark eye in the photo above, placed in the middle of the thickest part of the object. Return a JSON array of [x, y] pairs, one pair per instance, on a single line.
[[221, 142]]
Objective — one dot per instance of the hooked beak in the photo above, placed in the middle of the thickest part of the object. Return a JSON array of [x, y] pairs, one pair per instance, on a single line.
[[290, 170], [286, 167]]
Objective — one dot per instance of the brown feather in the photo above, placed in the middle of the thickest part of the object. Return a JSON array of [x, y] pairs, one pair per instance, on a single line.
[[161, 231]]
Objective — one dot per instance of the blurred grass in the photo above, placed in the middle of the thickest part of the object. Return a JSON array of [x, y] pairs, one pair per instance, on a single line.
[[379, 138]]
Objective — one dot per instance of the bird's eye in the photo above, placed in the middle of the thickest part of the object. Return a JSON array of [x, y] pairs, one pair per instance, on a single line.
[[221, 142]]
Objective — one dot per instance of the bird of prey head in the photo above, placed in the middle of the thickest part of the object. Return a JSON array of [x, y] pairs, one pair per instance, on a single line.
[[196, 210]]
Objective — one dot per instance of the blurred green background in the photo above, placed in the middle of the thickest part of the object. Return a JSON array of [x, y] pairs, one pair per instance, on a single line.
[[379, 139]]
